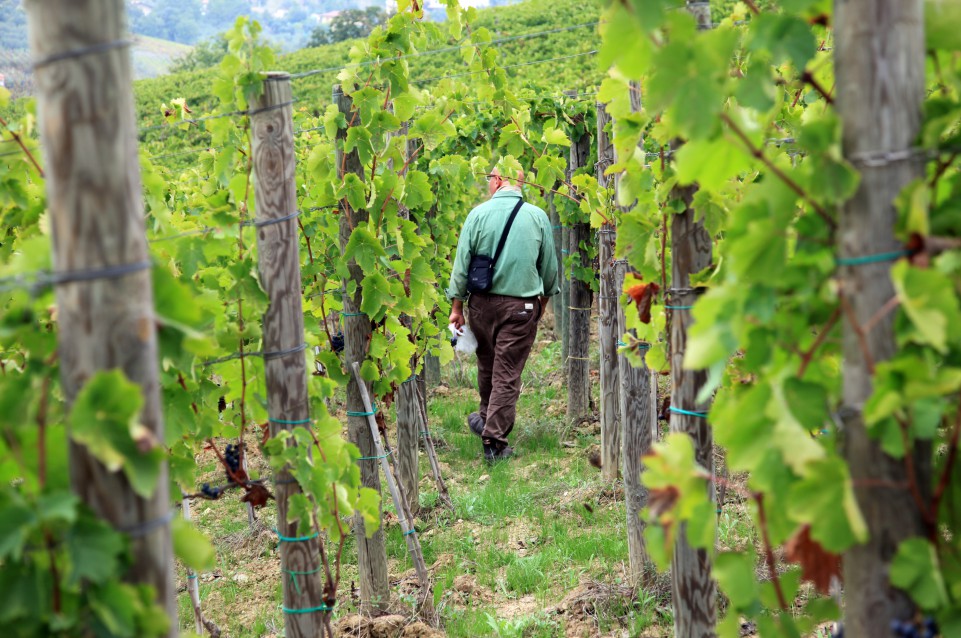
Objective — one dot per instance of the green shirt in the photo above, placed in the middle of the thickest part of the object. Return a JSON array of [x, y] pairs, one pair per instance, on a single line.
[[527, 267]]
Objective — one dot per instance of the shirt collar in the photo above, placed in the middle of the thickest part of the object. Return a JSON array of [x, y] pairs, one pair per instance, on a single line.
[[507, 192]]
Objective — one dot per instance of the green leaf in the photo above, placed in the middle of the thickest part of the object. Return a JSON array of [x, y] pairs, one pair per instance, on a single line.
[[105, 420], [57, 506], [914, 203], [735, 575], [710, 163], [936, 316], [378, 298], [821, 134], [94, 549], [835, 181], [359, 139], [942, 25], [418, 193], [364, 247], [787, 37], [807, 403], [622, 45], [556, 136], [354, 191], [174, 303], [192, 547], [824, 498], [333, 121], [16, 519], [916, 570], [114, 604]]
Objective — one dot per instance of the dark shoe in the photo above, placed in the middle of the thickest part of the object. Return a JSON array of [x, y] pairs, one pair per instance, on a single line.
[[475, 423], [494, 454]]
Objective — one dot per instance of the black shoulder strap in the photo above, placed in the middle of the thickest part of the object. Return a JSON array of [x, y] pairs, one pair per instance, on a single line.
[[507, 229]]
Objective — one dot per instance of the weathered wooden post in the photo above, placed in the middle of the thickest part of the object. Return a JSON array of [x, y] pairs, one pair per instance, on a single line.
[[557, 304], [285, 365], [193, 588], [430, 378], [104, 293], [409, 409], [372, 554], [403, 513], [610, 293], [638, 405], [562, 304], [694, 592], [579, 326], [880, 65]]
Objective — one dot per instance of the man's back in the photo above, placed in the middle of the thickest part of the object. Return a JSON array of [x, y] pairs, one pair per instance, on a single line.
[[526, 267]]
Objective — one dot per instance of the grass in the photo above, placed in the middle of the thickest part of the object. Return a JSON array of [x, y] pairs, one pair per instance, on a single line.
[[534, 547]]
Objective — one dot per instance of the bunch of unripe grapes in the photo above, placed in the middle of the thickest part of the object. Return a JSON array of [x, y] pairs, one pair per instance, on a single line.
[[927, 628], [232, 456]]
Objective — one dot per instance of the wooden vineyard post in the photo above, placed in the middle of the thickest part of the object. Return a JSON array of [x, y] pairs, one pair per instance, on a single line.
[[638, 410], [430, 378], [579, 304], [409, 425], [695, 612], [694, 592], [880, 61], [104, 291], [403, 513], [607, 318], [412, 395], [372, 553], [562, 242], [560, 318], [193, 587], [285, 366]]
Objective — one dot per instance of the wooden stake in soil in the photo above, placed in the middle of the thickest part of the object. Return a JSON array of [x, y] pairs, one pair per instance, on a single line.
[[431, 375], [105, 303], [579, 328], [442, 495], [285, 366], [693, 589], [403, 513], [610, 292], [193, 587], [562, 305], [372, 554], [558, 306], [409, 426], [638, 409], [880, 65], [695, 604]]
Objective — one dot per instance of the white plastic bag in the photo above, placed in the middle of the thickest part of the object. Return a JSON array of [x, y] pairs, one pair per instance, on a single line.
[[466, 341]]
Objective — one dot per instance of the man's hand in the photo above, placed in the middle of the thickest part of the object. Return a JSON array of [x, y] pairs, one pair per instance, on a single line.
[[457, 314], [543, 302]]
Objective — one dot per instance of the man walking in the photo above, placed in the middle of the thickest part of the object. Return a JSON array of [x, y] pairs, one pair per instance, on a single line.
[[504, 318]]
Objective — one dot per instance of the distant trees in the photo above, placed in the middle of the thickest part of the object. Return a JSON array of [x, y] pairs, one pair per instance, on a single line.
[[349, 24], [174, 21], [13, 25], [205, 54]]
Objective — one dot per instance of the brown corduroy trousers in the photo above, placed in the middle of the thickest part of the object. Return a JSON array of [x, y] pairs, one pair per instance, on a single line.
[[505, 328]]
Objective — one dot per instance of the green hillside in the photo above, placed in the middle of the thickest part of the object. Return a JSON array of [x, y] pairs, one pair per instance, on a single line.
[[569, 50], [153, 57]]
